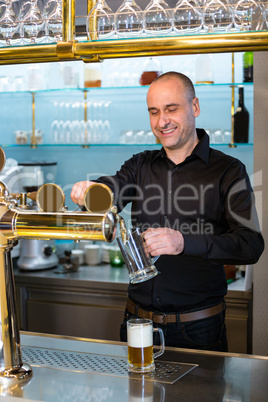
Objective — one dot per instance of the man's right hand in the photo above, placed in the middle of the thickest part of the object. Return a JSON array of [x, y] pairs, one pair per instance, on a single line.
[[78, 191]]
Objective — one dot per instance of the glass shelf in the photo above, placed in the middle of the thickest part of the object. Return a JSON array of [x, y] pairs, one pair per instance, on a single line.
[[113, 145], [119, 88], [173, 35]]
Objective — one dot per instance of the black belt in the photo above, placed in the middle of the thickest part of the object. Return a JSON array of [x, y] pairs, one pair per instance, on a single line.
[[161, 318]]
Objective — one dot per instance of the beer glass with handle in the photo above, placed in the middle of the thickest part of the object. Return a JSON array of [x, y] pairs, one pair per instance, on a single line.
[[140, 345]]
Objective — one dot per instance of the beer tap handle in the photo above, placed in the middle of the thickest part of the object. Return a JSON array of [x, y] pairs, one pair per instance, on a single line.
[[32, 195], [22, 198]]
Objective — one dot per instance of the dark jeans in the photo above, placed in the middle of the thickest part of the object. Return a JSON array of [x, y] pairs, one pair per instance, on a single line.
[[206, 334]]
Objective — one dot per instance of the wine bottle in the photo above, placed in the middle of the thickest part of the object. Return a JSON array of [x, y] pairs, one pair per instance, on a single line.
[[248, 67], [241, 120]]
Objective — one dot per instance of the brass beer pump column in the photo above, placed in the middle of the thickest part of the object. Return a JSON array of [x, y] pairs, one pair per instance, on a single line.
[[68, 17], [18, 221], [11, 366]]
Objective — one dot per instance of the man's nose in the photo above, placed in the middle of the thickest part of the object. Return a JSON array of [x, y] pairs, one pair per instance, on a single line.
[[163, 121]]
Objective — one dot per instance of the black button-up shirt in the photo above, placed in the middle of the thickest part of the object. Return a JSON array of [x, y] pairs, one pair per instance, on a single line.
[[208, 197]]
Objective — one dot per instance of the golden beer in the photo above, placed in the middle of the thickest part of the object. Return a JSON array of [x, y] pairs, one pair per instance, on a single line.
[[140, 345], [140, 357]]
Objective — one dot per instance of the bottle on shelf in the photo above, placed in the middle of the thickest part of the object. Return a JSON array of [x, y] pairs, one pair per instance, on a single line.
[[248, 67], [241, 120], [151, 70]]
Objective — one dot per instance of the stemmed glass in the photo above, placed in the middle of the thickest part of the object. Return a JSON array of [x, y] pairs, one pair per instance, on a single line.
[[54, 23], [9, 23], [48, 9], [265, 13], [33, 22], [217, 16], [187, 16], [157, 18], [248, 15], [100, 21], [128, 20]]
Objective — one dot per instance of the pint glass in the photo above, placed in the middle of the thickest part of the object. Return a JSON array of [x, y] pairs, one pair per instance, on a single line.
[[140, 345]]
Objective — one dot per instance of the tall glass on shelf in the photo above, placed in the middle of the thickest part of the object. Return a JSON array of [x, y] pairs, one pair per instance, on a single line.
[[157, 18], [187, 17], [128, 20], [100, 21], [9, 23]]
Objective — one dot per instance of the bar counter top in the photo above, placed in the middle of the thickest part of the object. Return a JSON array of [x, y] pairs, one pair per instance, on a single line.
[[103, 275], [216, 376]]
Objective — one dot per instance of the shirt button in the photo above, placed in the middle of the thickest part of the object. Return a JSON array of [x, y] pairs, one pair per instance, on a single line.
[[165, 217], [170, 191], [157, 299]]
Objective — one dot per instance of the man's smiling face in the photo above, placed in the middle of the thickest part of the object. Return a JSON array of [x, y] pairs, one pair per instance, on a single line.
[[172, 111]]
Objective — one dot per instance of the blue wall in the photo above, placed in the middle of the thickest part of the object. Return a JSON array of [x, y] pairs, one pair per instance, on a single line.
[[127, 110]]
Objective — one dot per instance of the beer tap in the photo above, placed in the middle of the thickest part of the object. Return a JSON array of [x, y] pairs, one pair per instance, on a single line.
[[51, 221]]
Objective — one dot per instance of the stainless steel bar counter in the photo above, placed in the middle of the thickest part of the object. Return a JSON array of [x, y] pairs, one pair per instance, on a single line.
[[72, 369]]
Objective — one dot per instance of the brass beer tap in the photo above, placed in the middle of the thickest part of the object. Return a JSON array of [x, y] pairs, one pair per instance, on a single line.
[[51, 221]]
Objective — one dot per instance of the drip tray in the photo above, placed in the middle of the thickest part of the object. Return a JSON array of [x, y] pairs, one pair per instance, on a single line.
[[165, 372]]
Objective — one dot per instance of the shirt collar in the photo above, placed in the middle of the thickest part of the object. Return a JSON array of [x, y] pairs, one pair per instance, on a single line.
[[201, 150]]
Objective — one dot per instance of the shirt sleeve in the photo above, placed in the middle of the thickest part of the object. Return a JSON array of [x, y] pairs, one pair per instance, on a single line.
[[123, 183], [242, 242]]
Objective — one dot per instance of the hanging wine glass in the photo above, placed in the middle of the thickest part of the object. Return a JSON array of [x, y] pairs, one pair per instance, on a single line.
[[187, 16], [157, 18], [33, 23], [248, 16], [24, 8], [265, 14], [100, 21], [2, 9], [55, 22], [9, 24], [128, 20], [217, 16], [48, 9]]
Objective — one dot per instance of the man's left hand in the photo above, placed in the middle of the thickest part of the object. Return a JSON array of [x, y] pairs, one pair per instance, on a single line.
[[163, 241]]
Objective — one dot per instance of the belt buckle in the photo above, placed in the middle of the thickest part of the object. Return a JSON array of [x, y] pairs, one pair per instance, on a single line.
[[163, 316], [165, 319]]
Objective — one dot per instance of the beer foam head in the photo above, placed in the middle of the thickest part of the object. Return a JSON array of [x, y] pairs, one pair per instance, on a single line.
[[140, 336]]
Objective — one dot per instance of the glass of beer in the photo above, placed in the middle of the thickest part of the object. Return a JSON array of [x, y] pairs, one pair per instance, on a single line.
[[140, 345]]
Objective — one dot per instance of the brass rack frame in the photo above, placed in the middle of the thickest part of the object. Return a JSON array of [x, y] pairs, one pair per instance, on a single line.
[[92, 51]]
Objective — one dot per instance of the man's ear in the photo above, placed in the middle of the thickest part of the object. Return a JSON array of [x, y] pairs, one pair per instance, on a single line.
[[196, 107]]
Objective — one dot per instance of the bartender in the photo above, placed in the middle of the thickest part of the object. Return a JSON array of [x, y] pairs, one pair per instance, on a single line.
[[195, 207]]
